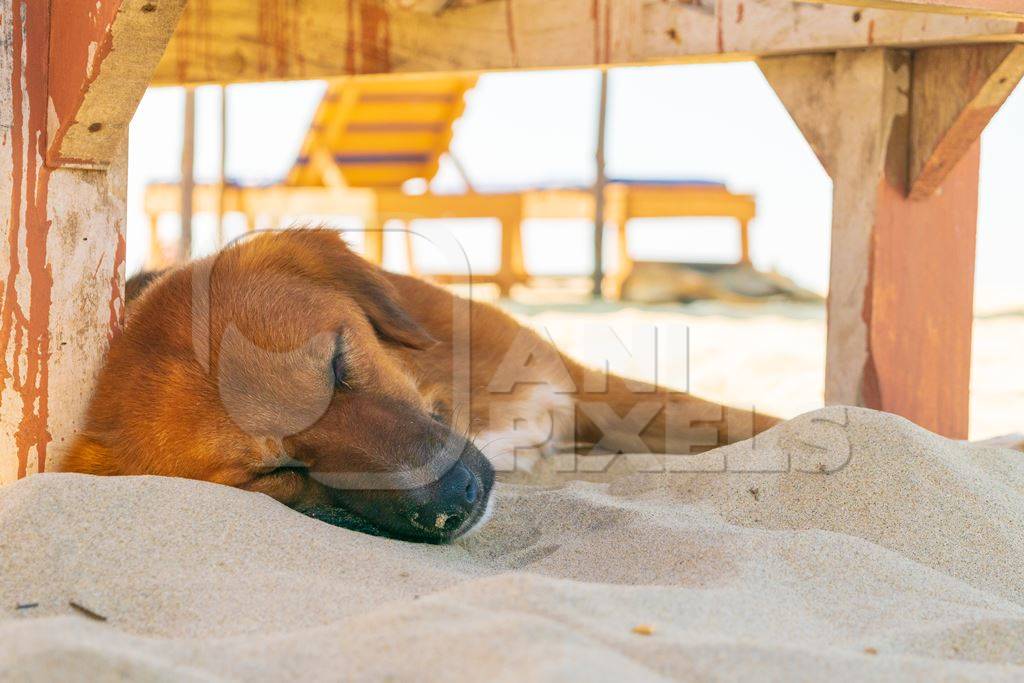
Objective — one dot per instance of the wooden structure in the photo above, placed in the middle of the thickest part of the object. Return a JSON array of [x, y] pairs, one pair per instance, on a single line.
[[892, 101], [369, 136], [380, 132], [624, 201]]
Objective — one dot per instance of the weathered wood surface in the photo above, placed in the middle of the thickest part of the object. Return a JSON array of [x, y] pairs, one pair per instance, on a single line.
[[902, 270], [956, 92], [253, 40], [433, 6], [1011, 9], [62, 269], [102, 55]]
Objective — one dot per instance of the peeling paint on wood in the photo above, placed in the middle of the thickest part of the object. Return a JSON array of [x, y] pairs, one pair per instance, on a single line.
[[24, 315], [55, 311], [101, 56], [325, 38], [902, 271]]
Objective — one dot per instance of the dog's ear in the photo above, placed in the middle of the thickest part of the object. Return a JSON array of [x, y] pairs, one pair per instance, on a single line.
[[392, 322], [324, 255], [139, 282], [380, 301]]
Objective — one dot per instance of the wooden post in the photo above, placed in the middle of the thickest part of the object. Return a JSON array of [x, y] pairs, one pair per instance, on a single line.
[[617, 203], [222, 179], [511, 268], [902, 270], [410, 249], [63, 169], [745, 241], [373, 239], [155, 260], [188, 180], [600, 182]]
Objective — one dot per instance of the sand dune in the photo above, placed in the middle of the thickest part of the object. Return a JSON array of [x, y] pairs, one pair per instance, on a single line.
[[861, 547]]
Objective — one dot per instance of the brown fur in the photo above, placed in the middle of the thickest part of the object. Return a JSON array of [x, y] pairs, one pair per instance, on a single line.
[[277, 304]]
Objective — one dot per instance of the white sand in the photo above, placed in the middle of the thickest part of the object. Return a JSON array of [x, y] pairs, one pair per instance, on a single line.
[[906, 563], [773, 355]]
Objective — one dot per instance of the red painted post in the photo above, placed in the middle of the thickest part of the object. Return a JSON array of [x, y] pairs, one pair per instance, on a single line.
[[921, 302], [62, 246], [900, 308]]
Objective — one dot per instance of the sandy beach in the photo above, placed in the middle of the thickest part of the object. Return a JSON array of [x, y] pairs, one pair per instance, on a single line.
[[772, 356], [843, 545]]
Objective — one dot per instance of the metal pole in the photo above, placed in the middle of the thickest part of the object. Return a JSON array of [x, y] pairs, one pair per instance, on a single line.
[[599, 186], [188, 181]]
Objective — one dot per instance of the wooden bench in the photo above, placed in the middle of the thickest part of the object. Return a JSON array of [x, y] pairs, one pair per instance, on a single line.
[[625, 200]]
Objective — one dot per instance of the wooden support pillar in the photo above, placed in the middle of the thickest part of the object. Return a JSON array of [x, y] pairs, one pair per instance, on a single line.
[[71, 83], [188, 178], [373, 239], [600, 183], [512, 268], [745, 241], [222, 179], [617, 202], [155, 260], [902, 269], [410, 249]]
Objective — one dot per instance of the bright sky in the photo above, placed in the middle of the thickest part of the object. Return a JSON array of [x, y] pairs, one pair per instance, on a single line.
[[720, 122]]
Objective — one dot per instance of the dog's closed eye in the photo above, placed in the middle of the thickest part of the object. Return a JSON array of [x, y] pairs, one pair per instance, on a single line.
[[340, 369]]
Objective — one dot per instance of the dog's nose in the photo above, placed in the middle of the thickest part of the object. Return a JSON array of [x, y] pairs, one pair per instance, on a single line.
[[459, 486], [454, 500]]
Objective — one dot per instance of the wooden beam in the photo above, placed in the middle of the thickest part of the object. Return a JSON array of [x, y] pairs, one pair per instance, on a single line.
[[255, 40], [956, 92], [102, 56], [433, 6], [1008, 9], [62, 263], [902, 271]]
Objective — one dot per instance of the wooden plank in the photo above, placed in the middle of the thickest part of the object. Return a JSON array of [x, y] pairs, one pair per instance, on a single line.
[[900, 296], [956, 92], [789, 78], [102, 55], [659, 202], [433, 6], [394, 204], [401, 112], [1008, 9], [254, 40], [62, 269], [922, 301]]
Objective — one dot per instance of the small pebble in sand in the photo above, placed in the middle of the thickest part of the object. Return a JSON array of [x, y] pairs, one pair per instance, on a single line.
[[871, 651], [643, 629]]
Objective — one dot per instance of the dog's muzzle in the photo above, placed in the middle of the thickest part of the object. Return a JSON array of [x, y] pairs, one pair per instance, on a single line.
[[438, 512]]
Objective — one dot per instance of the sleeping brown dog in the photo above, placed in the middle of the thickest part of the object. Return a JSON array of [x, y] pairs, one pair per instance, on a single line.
[[288, 365]]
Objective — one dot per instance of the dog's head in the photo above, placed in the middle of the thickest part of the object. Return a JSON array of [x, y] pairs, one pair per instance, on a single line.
[[286, 365]]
